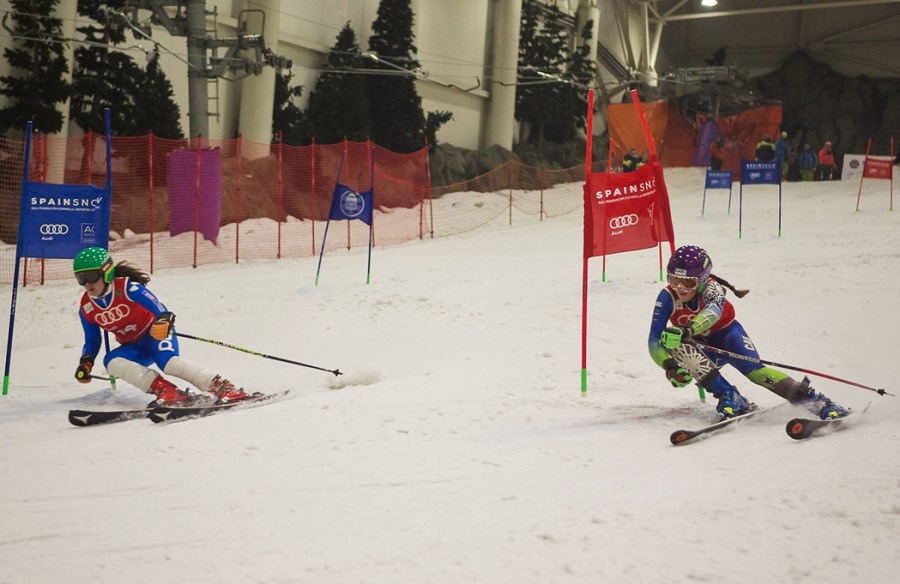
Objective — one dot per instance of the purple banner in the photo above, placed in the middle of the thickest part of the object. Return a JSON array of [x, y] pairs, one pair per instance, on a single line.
[[189, 209], [708, 134]]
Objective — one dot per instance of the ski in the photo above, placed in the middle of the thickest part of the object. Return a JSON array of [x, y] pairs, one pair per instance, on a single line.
[[800, 428], [174, 413], [84, 418], [682, 436]]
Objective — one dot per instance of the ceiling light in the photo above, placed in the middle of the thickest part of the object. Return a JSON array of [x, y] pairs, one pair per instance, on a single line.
[[708, 2]]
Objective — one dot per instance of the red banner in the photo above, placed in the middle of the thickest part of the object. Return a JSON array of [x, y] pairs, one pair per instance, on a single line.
[[874, 168], [626, 211]]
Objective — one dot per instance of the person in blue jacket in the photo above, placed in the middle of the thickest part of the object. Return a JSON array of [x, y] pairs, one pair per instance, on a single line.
[[692, 312], [117, 300]]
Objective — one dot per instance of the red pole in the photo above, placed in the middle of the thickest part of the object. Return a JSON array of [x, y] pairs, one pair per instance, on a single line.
[[348, 165], [280, 190], [892, 173], [863, 174], [150, 183], [197, 197], [509, 180], [312, 193], [237, 204], [586, 253]]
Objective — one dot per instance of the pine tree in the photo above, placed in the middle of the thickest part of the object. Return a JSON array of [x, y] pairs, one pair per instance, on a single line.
[[287, 118], [37, 83], [556, 110], [156, 103], [105, 78], [395, 108], [337, 107]]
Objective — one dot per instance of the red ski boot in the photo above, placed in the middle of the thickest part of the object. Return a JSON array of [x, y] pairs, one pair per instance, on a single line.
[[225, 391], [167, 394]]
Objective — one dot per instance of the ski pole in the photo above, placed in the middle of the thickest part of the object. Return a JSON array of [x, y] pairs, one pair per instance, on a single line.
[[801, 369], [336, 372]]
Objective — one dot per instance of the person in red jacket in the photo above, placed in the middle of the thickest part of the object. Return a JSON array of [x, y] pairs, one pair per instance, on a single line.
[[826, 169]]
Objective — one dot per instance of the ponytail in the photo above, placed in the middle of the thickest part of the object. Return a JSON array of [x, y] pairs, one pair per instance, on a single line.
[[124, 269], [724, 282]]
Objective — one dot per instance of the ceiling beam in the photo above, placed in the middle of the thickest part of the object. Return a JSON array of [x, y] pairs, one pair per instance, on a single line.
[[770, 9]]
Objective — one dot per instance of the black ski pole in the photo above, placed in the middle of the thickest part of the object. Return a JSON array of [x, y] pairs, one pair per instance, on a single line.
[[336, 372], [792, 367]]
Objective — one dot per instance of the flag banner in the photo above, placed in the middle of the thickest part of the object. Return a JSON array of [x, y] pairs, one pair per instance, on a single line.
[[348, 204], [878, 168], [58, 221], [718, 179], [760, 173], [190, 210], [626, 211]]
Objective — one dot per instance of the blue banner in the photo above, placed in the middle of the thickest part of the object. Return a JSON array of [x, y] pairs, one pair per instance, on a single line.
[[58, 221], [760, 173], [348, 204], [718, 179]]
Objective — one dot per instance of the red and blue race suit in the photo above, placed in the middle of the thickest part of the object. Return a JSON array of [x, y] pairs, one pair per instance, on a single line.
[[127, 310], [711, 316]]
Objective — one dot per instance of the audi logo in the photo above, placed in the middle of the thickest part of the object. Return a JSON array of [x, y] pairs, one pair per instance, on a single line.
[[112, 315], [58, 229], [623, 221]]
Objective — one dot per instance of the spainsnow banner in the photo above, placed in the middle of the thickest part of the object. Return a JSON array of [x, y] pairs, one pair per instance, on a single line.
[[626, 211], [58, 221], [878, 168], [760, 173], [718, 179]]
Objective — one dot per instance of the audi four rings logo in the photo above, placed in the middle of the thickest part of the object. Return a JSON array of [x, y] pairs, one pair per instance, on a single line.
[[58, 229], [114, 314], [623, 221]]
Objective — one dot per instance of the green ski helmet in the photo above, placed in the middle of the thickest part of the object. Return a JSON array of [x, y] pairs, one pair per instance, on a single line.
[[96, 260]]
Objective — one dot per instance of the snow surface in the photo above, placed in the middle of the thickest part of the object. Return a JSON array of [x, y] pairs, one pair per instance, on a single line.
[[457, 446]]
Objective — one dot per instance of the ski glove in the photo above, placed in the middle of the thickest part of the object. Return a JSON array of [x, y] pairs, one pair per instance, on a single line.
[[678, 376], [83, 373], [162, 326], [673, 336]]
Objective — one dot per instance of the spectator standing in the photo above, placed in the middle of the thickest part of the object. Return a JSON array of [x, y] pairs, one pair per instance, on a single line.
[[642, 160], [792, 158], [630, 161], [717, 153], [808, 162], [779, 153], [826, 168], [765, 149]]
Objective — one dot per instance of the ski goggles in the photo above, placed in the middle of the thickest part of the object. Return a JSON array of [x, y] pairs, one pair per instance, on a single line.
[[88, 277], [682, 282]]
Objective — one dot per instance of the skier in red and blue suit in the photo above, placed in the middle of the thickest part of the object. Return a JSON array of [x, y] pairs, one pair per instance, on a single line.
[[692, 311], [117, 300]]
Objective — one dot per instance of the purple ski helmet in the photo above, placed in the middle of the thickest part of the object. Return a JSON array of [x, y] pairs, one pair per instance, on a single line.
[[690, 261]]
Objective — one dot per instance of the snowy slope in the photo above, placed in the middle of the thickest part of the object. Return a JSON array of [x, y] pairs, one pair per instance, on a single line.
[[457, 447]]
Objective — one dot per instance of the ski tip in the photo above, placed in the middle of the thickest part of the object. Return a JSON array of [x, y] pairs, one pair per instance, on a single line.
[[798, 429], [679, 436], [79, 418]]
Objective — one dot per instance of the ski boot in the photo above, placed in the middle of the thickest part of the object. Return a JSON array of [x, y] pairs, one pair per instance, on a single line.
[[167, 394], [820, 405], [731, 402], [225, 391]]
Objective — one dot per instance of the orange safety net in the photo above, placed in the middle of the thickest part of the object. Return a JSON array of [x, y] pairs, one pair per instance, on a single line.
[[273, 203], [676, 139]]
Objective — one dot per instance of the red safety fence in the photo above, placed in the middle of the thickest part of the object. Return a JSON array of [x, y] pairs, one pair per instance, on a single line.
[[273, 198]]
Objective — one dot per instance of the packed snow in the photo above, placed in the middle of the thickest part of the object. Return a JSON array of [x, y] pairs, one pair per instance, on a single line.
[[457, 445]]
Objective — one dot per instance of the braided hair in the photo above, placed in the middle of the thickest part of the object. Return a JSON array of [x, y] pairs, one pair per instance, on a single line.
[[724, 282]]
